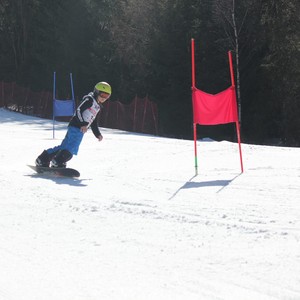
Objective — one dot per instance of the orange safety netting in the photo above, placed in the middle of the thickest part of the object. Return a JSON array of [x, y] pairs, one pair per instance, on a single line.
[[139, 116]]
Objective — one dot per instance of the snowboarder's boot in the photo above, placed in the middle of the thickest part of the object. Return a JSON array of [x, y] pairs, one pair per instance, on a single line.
[[60, 159], [43, 160]]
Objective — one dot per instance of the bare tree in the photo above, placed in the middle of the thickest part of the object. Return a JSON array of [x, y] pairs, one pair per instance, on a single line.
[[226, 15]]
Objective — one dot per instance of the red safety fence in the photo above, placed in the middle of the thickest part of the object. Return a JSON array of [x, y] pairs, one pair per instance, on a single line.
[[139, 116], [23, 100]]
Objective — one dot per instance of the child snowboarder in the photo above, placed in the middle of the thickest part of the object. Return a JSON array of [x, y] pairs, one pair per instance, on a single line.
[[83, 118]]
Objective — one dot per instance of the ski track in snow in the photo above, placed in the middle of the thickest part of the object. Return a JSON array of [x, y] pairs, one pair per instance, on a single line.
[[138, 224]]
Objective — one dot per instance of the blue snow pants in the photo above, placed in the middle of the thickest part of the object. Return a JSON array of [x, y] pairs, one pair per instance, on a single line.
[[71, 142]]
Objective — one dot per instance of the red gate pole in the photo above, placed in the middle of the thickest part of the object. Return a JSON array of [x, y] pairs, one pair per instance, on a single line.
[[134, 114], [154, 116], [193, 90], [237, 122], [144, 114]]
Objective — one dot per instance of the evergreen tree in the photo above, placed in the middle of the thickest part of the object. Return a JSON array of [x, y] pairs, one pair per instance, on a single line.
[[281, 72]]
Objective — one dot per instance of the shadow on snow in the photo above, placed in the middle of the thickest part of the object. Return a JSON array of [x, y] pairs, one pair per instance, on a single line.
[[192, 184]]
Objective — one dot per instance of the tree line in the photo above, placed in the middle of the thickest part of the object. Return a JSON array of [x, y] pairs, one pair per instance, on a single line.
[[142, 47]]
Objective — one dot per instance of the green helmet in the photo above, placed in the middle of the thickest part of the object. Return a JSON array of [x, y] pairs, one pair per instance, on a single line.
[[102, 87]]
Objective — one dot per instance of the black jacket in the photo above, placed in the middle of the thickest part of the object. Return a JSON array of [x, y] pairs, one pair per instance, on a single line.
[[86, 114]]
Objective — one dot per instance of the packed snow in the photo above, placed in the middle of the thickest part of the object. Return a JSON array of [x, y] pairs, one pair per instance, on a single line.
[[138, 224]]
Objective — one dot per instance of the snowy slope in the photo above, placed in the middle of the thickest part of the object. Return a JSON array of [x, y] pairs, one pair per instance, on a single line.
[[139, 225]]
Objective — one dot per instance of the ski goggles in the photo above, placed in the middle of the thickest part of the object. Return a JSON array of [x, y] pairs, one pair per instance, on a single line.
[[104, 95]]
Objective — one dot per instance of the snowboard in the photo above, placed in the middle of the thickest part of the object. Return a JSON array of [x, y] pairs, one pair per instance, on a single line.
[[60, 172]]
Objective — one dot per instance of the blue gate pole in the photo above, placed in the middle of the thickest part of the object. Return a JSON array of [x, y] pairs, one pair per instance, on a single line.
[[54, 103], [72, 90]]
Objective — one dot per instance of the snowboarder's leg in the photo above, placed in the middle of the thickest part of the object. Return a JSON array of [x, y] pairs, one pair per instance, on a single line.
[[61, 158], [72, 140], [59, 155]]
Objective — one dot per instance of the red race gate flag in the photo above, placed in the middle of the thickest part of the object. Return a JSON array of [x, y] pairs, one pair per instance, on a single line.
[[215, 109]]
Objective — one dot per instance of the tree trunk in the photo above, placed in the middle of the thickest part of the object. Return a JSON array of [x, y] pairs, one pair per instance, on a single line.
[[238, 87]]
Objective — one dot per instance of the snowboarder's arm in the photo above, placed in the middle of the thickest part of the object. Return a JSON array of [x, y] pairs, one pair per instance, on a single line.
[[96, 130]]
